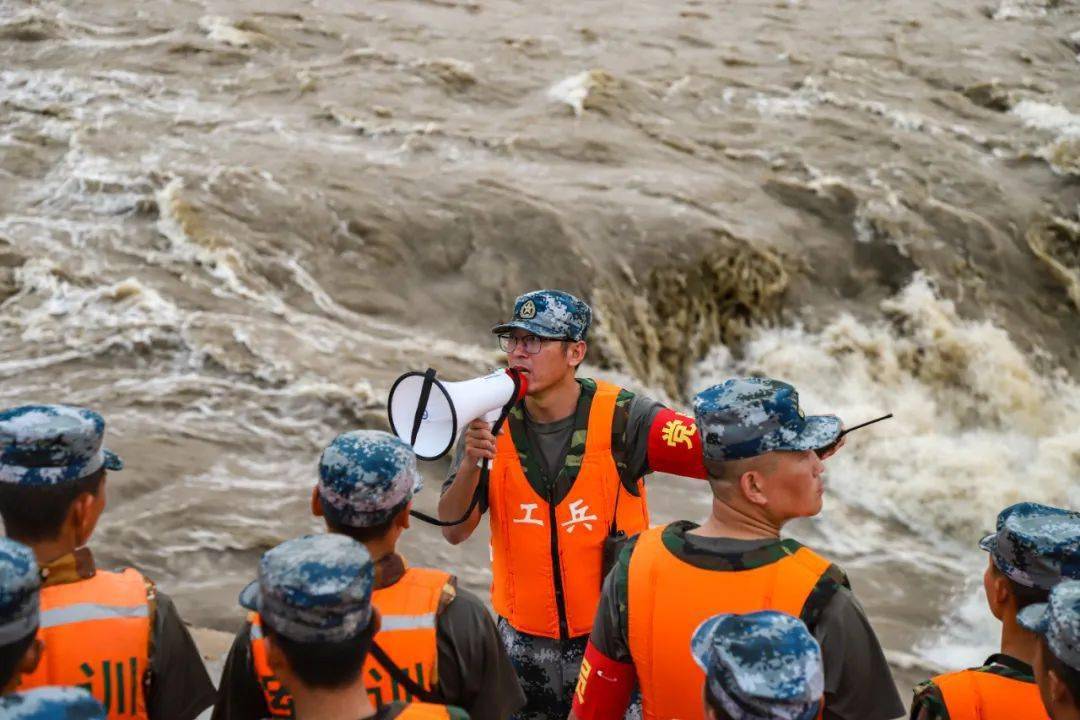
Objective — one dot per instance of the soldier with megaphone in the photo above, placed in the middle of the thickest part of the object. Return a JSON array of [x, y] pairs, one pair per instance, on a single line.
[[565, 487]]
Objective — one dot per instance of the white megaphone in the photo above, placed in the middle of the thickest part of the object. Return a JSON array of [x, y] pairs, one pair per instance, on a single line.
[[427, 413]]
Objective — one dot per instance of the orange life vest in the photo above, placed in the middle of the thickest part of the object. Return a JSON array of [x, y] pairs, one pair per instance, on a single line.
[[408, 609], [558, 598], [667, 599], [97, 636], [423, 711], [977, 695]]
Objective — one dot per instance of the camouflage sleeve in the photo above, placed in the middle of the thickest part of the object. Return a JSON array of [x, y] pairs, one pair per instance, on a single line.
[[634, 415], [928, 703]]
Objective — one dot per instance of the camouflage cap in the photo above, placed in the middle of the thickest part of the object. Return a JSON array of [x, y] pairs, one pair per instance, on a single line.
[[52, 445], [1058, 621], [51, 703], [760, 666], [550, 314], [364, 475], [1036, 545], [20, 587], [744, 417], [314, 589]]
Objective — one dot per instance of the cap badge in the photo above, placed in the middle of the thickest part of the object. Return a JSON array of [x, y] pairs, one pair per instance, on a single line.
[[528, 310]]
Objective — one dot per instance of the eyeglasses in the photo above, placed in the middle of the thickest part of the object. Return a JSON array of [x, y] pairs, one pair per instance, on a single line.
[[532, 344]]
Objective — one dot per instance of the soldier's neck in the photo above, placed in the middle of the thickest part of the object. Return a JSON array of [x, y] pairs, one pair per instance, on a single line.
[[554, 403], [351, 703], [46, 551], [737, 522], [1017, 642]]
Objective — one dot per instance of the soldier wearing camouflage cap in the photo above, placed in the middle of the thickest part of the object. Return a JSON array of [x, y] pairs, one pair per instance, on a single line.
[[1034, 548], [1057, 660], [764, 457], [566, 474], [314, 597], [759, 666], [113, 632], [437, 643], [20, 587], [52, 703]]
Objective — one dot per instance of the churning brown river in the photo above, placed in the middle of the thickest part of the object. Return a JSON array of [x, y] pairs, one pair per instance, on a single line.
[[229, 225]]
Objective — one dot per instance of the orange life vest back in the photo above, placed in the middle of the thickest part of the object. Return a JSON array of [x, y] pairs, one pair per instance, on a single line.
[[667, 599], [558, 598], [408, 610], [97, 636], [978, 695], [424, 711]]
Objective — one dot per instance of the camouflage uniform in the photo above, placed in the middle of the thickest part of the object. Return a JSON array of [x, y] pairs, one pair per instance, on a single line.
[[317, 589], [51, 703], [20, 588], [760, 666], [1058, 621], [1035, 546]]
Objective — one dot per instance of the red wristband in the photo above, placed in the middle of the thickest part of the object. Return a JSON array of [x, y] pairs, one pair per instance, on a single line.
[[675, 445], [603, 688]]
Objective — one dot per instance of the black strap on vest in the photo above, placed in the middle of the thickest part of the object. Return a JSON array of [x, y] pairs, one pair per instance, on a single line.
[[401, 677], [485, 469]]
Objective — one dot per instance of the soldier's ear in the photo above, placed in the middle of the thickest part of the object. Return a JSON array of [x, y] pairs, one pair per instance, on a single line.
[[1059, 692], [403, 517], [316, 503]]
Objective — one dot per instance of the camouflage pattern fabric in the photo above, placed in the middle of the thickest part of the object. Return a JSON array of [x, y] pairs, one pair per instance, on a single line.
[[1036, 545], [20, 588], [314, 589], [51, 703], [548, 670], [364, 475], [760, 666], [745, 417], [1058, 621], [549, 314], [52, 444]]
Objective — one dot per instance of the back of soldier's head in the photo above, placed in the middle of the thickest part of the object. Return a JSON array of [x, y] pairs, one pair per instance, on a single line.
[[366, 478], [1035, 547], [313, 595], [49, 456], [20, 584], [759, 666]]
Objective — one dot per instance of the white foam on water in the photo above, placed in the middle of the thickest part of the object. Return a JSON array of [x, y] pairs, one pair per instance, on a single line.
[[1021, 9], [977, 426], [223, 30], [574, 90], [1048, 117]]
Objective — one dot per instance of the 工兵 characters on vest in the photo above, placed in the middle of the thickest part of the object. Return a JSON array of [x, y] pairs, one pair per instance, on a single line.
[[566, 480], [1034, 548], [436, 642], [314, 599], [112, 633], [765, 461]]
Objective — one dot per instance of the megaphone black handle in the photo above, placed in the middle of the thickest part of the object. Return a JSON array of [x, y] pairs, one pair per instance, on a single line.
[[485, 469], [421, 404]]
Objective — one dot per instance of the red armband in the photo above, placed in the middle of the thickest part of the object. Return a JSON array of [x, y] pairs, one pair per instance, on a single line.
[[675, 445], [603, 687]]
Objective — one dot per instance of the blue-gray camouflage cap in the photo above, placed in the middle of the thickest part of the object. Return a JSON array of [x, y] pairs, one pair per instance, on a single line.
[[364, 475], [20, 587], [1036, 545], [744, 417], [760, 666], [51, 703], [314, 589], [550, 314], [52, 444], [1058, 621]]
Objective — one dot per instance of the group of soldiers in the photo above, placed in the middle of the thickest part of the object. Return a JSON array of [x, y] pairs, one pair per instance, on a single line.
[[597, 614]]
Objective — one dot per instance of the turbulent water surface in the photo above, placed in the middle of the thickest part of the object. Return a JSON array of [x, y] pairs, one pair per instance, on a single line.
[[229, 226]]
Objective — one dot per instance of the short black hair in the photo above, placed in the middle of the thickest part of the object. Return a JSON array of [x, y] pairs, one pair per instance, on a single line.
[[1024, 595], [1068, 674], [33, 513], [326, 665], [362, 534], [12, 654]]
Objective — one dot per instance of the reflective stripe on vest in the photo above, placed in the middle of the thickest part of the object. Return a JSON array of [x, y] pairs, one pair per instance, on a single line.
[[523, 537], [409, 609], [97, 636], [662, 614], [978, 695]]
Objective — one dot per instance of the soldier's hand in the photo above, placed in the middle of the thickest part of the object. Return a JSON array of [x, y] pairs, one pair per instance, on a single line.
[[479, 442]]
